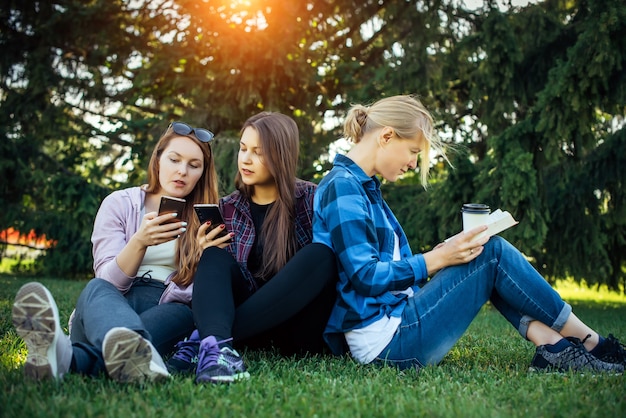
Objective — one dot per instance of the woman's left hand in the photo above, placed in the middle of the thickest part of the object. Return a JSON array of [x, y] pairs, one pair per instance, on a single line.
[[459, 249], [209, 237]]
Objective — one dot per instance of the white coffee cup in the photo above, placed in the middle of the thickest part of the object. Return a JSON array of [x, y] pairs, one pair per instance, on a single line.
[[474, 214]]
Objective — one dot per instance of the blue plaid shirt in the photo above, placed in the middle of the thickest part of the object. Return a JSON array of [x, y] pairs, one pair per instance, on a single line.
[[238, 219], [352, 218]]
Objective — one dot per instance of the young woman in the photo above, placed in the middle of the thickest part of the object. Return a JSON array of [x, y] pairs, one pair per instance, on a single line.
[[270, 286], [387, 310], [123, 319]]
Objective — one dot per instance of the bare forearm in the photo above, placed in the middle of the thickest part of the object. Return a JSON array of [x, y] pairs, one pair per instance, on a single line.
[[131, 257]]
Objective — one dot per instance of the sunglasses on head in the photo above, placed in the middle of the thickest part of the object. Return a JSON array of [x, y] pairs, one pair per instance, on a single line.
[[181, 128]]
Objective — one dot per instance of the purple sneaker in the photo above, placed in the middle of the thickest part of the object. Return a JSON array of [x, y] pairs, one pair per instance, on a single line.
[[185, 360], [219, 365]]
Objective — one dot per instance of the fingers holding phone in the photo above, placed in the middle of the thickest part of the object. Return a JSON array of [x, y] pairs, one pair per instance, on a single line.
[[173, 206], [167, 224], [171, 210], [213, 236], [212, 231]]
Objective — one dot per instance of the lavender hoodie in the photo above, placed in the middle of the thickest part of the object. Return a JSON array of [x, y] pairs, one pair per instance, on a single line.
[[117, 220]]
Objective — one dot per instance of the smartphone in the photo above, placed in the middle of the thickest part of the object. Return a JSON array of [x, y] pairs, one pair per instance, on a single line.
[[210, 212], [172, 205]]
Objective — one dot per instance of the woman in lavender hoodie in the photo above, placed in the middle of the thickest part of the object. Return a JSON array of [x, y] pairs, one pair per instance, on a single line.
[[126, 315]]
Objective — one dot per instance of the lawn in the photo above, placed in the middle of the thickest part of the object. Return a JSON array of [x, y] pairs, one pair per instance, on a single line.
[[485, 375]]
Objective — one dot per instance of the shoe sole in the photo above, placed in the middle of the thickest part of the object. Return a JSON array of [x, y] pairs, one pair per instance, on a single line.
[[36, 320], [128, 357], [591, 373], [225, 379], [546, 370]]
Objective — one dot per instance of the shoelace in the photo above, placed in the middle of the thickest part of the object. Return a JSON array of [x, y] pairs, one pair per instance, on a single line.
[[186, 350], [210, 353], [579, 350], [574, 357], [577, 341]]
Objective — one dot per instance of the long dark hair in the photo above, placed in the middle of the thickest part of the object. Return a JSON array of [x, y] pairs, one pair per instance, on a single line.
[[280, 142]]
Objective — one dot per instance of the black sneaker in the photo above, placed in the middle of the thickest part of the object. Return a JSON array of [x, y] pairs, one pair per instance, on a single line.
[[185, 360], [614, 351], [573, 358]]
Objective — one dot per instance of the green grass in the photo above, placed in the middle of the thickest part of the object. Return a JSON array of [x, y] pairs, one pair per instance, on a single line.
[[483, 376]]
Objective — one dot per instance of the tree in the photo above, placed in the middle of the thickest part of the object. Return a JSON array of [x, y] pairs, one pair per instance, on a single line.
[[536, 95], [531, 100]]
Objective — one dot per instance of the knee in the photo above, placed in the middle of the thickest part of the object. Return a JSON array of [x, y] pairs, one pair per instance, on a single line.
[[97, 285], [95, 288], [214, 254], [499, 245], [322, 260], [317, 251], [214, 260], [324, 249]]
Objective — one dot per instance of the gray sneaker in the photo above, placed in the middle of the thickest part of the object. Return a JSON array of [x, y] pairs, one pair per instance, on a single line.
[[36, 320], [130, 358], [573, 358]]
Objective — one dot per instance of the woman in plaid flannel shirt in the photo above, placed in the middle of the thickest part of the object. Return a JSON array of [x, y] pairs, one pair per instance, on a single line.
[[265, 284], [388, 311]]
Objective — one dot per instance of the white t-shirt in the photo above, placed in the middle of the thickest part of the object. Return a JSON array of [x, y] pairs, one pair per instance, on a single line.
[[159, 261], [368, 342]]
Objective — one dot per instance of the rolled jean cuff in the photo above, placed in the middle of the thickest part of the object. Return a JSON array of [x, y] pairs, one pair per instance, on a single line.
[[523, 325], [560, 320], [557, 325]]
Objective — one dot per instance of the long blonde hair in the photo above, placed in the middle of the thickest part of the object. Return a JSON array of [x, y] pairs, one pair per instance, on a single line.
[[406, 115], [188, 251]]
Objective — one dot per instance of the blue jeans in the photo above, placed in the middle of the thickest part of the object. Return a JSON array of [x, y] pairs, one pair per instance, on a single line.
[[440, 312], [101, 307]]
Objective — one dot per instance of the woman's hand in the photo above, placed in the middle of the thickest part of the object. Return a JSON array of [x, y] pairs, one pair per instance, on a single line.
[[210, 238], [459, 249], [155, 230]]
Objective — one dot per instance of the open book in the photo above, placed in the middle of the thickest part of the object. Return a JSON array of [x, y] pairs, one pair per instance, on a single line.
[[497, 221]]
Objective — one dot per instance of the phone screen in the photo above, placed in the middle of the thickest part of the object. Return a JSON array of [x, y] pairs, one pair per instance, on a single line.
[[210, 212], [172, 205]]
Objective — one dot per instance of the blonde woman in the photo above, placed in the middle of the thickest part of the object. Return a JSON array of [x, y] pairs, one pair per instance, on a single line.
[[408, 310]]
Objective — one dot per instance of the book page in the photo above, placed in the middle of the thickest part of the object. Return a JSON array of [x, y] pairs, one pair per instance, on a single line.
[[497, 222]]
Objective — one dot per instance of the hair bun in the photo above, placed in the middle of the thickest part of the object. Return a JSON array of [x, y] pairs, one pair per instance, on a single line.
[[361, 115]]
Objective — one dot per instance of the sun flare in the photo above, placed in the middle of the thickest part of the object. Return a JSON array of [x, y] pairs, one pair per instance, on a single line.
[[249, 13]]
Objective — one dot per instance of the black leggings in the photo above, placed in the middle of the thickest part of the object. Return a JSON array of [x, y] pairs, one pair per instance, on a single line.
[[288, 313]]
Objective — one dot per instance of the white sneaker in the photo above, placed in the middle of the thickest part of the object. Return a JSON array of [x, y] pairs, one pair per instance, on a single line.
[[130, 358], [36, 320]]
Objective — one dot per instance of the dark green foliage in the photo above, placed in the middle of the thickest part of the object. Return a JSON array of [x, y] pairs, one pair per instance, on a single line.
[[532, 98], [542, 91]]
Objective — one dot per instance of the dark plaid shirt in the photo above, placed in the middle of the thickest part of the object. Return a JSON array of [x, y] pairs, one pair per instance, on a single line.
[[238, 219], [352, 218]]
